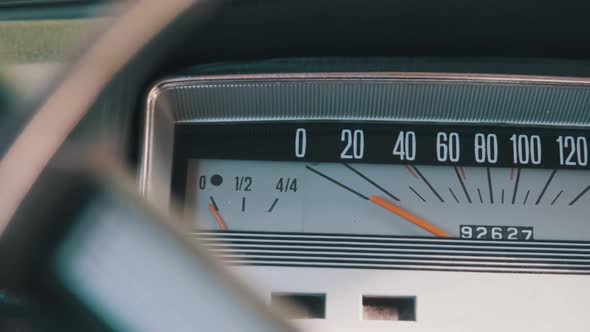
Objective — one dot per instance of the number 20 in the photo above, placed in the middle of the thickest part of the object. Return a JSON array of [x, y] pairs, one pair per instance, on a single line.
[[355, 141]]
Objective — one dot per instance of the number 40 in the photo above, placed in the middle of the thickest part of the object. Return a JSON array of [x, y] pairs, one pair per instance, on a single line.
[[405, 145]]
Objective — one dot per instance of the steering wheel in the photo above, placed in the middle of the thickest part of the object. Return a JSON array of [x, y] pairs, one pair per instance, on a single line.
[[127, 51], [125, 54]]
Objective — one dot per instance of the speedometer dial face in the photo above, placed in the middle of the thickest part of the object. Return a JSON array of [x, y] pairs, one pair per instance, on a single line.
[[397, 180], [485, 203]]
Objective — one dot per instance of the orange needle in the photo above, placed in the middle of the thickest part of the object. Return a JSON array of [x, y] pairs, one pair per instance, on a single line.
[[217, 217], [408, 216]]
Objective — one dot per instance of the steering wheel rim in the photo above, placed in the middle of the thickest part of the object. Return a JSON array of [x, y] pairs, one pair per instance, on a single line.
[[144, 27]]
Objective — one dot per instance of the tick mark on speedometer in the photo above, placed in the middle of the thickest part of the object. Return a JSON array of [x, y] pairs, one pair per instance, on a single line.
[[428, 184], [556, 198], [371, 181], [526, 197], [454, 196], [273, 205], [411, 171], [462, 184], [462, 170], [545, 187], [415, 192], [516, 186], [490, 185], [336, 182], [580, 195]]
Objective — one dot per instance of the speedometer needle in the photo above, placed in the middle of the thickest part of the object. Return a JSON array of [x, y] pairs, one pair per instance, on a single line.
[[217, 217], [408, 216]]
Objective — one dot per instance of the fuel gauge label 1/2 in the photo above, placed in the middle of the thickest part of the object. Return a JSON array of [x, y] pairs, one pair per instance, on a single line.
[[478, 203]]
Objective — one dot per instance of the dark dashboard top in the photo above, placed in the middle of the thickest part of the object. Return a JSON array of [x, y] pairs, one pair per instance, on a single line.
[[285, 28]]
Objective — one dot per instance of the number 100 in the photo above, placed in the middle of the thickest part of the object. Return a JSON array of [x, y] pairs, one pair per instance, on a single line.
[[526, 149]]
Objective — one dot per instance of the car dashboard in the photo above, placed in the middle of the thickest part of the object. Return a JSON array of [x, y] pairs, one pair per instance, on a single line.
[[389, 167], [381, 200]]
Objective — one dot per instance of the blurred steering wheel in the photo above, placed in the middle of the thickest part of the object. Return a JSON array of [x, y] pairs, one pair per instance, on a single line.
[[129, 50], [125, 54]]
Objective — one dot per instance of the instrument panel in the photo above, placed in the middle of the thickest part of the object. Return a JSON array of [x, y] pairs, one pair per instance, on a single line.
[[452, 181], [377, 170], [371, 199]]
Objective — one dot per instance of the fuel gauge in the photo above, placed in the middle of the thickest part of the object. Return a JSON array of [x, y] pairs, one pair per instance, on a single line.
[[247, 195]]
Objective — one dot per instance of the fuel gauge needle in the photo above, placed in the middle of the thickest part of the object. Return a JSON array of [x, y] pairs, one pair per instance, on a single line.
[[217, 217], [408, 216]]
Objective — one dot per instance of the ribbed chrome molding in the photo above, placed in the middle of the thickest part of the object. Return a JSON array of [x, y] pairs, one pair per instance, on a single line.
[[414, 97], [380, 252]]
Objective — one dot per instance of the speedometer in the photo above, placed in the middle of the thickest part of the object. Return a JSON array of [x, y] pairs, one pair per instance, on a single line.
[[477, 183], [377, 170], [352, 194]]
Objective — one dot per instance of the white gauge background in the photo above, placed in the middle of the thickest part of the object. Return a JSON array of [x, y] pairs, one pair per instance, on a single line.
[[317, 205]]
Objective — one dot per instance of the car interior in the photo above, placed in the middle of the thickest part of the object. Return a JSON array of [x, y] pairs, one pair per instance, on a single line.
[[294, 165]]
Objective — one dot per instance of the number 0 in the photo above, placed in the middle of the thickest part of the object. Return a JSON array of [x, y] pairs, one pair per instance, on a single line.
[[300, 142]]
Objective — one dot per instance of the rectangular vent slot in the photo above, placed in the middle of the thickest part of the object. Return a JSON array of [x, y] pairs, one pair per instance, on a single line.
[[301, 306], [389, 308]]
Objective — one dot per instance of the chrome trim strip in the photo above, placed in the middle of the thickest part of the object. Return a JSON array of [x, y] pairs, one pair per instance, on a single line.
[[381, 240], [462, 250], [417, 76], [440, 267], [395, 252], [425, 260]]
